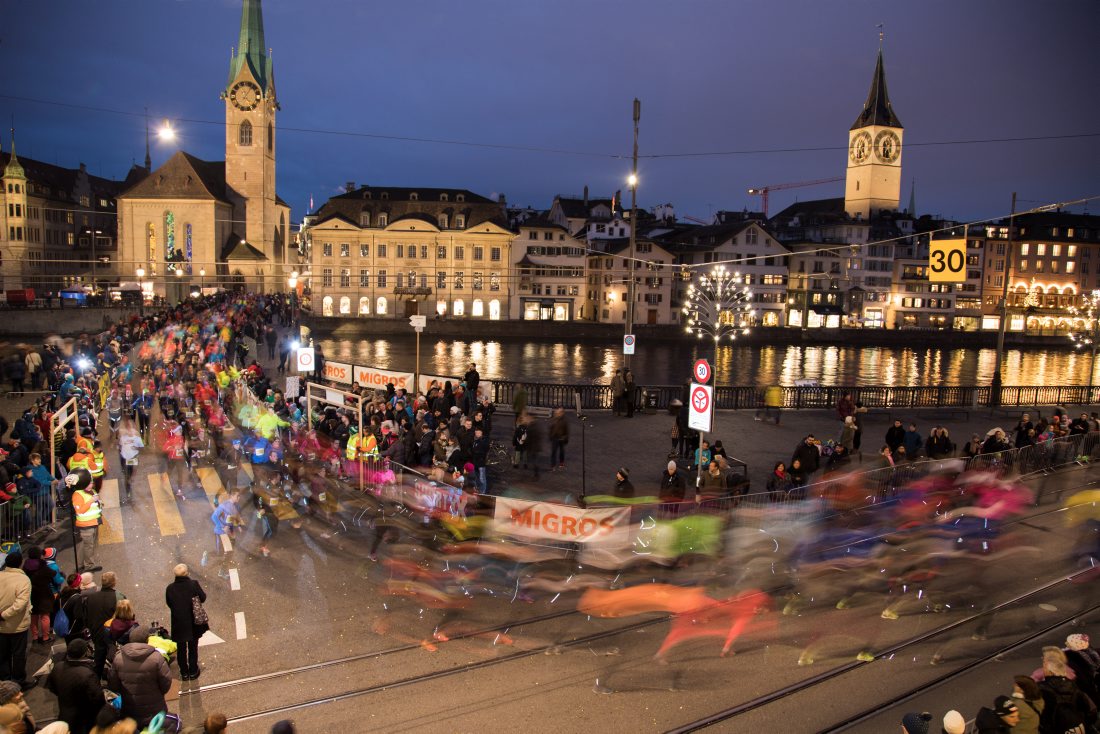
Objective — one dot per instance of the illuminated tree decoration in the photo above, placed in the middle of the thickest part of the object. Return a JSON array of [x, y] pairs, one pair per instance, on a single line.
[[718, 304], [1085, 323]]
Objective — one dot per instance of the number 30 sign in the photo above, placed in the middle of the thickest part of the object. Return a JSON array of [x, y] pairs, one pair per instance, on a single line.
[[947, 261]]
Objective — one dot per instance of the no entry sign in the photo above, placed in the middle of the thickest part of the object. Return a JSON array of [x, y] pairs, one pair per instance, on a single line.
[[628, 344], [305, 359], [700, 407]]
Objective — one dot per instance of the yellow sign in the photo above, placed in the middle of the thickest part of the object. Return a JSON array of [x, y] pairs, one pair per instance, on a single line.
[[947, 261]]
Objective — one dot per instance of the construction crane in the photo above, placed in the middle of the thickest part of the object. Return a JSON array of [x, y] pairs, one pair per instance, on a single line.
[[763, 191]]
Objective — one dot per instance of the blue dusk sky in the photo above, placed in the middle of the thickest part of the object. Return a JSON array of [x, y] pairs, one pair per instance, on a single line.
[[713, 76]]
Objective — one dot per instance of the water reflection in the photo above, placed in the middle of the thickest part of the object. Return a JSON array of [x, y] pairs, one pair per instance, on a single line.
[[737, 364]]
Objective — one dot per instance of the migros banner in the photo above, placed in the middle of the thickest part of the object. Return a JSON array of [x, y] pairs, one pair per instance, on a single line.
[[337, 372], [372, 378], [561, 523]]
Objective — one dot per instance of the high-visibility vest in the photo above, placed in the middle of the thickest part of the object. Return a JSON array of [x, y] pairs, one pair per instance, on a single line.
[[366, 445], [100, 464], [84, 445], [80, 460], [86, 506]]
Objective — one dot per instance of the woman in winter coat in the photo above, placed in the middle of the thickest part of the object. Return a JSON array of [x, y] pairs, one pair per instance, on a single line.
[[140, 675], [42, 598], [185, 631], [779, 482], [938, 445]]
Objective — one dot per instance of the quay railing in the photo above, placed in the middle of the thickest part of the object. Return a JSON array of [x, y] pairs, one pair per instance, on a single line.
[[742, 397]]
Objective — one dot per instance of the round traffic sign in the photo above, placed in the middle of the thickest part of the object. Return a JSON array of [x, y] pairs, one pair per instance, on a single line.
[[305, 360], [628, 340], [700, 400], [701, 371]]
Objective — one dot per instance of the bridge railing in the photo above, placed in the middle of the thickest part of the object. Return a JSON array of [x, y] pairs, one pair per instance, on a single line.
[[741, 397]]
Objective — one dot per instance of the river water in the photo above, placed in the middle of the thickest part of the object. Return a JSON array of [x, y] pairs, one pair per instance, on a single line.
[[670, 363]]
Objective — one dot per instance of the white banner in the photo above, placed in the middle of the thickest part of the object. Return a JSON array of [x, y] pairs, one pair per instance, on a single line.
[[335, 397], [337, 372], [426, 381], [292, 388], [376, 379], [547, 521]]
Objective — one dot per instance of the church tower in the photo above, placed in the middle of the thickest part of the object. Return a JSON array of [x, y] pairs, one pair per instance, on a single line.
[[250, 106], [873, 183]]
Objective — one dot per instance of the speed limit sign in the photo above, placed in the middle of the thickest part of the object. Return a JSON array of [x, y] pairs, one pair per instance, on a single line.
[[947, 261], [305, 359], [701, 371]]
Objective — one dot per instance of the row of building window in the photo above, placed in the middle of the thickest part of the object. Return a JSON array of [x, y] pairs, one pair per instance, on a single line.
[[381, 307], [1071, 266], [1041, 250], [382, 279], [410, 251], [547, 235]]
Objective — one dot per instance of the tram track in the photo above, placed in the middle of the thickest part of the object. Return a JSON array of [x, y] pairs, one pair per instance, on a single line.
[[458, 670]]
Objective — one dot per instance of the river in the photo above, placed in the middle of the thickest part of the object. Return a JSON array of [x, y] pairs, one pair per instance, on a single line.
[[670, 363]]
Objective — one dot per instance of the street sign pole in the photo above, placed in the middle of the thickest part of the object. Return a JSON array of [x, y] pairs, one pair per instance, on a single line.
[[418, 323]]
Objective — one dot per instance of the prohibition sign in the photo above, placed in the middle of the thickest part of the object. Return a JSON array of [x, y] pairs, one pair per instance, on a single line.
[[700, 400], [305, 359], [701, 371]]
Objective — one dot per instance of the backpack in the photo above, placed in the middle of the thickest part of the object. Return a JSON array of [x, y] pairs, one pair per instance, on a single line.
[[1061, 715], [61, 623]]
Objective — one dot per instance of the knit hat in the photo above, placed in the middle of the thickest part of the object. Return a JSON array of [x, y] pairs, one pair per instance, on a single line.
[[49, 554], [8, 690], [283, 727], [139, 634], [916, 723], [954, 723], [1004, 706], [1077, 642], [455, 409], [467, 467], [87, 581], [624, 473], [77, 649], [672, 466]]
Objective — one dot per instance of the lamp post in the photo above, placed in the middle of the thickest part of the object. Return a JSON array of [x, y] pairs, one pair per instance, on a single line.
[[179, 283], [718, 306], [633, 181], [93, 233], [202, 281], [1089, 336]]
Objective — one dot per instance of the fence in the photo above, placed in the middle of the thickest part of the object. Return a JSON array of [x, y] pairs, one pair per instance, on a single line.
[[732, 397], [22, 517]]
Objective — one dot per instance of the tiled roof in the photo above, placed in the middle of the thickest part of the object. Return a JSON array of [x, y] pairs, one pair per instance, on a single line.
[[183, 176]]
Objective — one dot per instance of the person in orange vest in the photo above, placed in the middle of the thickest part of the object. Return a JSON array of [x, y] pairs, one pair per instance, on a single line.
[[87, 515], [360, 447], [82, 459], [99, 467]]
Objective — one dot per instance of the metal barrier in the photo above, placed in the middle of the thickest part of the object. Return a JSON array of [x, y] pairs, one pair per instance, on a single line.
[[21, 517], [740, 397]]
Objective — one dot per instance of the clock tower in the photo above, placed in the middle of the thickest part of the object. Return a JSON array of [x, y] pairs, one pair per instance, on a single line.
[[873, 183], [250, 107]]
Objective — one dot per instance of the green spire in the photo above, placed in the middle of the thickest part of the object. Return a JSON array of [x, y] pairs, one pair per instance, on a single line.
[[14, 169], [251, 50]]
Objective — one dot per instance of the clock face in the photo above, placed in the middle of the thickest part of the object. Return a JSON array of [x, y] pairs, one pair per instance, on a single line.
[[245, 96], [860, 149], [887, 146]]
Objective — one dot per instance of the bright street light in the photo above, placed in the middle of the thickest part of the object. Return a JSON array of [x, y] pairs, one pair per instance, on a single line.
[[166, 133], [140, 272], [632, 180]]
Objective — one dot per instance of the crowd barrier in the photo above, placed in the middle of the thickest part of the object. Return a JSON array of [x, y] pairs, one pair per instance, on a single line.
[[23, 517]]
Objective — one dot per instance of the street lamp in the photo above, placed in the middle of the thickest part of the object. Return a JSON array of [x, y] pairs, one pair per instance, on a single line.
[[93, 233], [141, 290], [202, 281], [166, 133], [720, 305], [179, 283], [1089, 335], [633, 182]]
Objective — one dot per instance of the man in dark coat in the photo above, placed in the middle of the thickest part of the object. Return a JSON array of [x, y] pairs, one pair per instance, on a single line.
[[99, 607], [673, 484], [185, 631], [79, 694], [624, 489], [807, 453], [140, 675], [472, 379]]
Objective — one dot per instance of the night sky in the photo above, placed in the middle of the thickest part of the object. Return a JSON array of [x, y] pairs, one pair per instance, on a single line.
[[712, 76]]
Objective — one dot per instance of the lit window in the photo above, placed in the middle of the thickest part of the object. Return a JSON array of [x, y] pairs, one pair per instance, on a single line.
[[494, 310], [1023, 249], [345, 305], [364, 250], [460, 221], [1040, 249], [1056, 250], [459, 308], [326, 306], [380, 306], [364, 306], [345, 278], [345, 250], [1070, 266], [479, 308], [364, 278]]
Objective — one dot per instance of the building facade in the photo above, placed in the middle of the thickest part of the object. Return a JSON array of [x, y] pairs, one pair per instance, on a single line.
[[549, 268], [396, 252]]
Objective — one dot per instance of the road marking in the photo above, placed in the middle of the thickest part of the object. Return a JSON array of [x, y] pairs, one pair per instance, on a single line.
[[210, 481], [234, 580], [209, 638], [247, 466], [164, 502], [112, 530], [242, 631], [227, 544]]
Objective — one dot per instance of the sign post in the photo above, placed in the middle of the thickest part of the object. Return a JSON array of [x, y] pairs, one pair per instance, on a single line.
[[700, 418], [628, 344], [418, 323]]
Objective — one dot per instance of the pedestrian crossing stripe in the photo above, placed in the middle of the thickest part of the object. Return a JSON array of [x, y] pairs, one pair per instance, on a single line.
[[112, 529], [164, 503], [210, 481]]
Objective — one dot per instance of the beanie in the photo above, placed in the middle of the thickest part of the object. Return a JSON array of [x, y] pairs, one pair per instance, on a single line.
[[77, 649], [8, 691], [916, 723], [954, 723], [1077, 642], [1004, 706], [625, 474]]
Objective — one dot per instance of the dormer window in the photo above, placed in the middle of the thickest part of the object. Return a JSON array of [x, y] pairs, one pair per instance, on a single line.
[[366, 195], [413, 196], [364, 219], [443, 220], [385, 195], [460, 197], [443, 197], [460, 221], [383, 219]]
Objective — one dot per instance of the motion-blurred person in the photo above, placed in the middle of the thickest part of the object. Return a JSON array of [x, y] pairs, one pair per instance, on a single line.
[[1029, 701], [1065, 706]]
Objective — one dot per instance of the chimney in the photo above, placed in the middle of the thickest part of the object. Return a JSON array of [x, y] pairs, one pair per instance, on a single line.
[[83, 168], [349, 186], [586, 194]]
